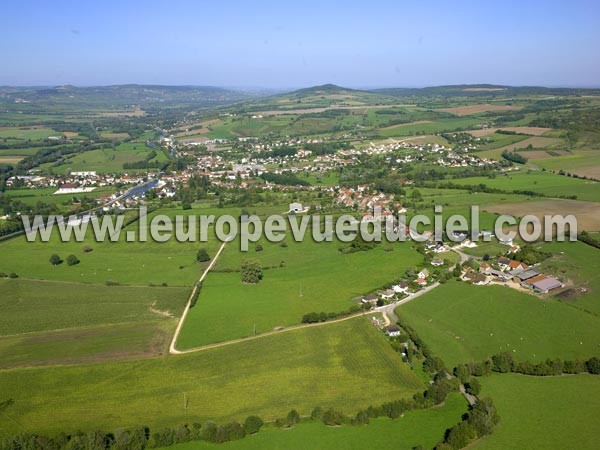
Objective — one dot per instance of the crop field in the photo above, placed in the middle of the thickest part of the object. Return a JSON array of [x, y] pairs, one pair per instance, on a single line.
[[348, 365], [587, 213], [429, 127], [468, 110], [545, 183], [314, 277], [585, 163], [27, 133], [543, 412], [31, 196], [462, 323], [533, 131], [45, 322], [414, 428]]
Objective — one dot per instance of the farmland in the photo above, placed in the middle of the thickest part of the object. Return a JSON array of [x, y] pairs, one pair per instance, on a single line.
[[463, 323], [299, 369], [316, 277]]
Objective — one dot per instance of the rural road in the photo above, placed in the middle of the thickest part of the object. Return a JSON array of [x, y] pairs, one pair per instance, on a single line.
[[463, 256], [386, 311]]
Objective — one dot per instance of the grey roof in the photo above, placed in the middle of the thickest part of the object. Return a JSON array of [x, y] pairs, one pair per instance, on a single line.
[[547, 284], [527, 274]]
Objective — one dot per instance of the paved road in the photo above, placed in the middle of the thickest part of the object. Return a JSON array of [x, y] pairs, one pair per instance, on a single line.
[[463, 256]]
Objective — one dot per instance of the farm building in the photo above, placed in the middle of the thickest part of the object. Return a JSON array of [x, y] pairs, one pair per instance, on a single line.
[[392, 331]]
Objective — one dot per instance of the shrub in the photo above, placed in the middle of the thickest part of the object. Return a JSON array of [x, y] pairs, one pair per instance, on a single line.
[[251, 271], [202, 255], [72, 260], [55, 260], [253, 424]]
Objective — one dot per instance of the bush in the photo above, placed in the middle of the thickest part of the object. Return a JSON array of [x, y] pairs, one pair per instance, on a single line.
[[258, 248], [293, 418], [251, 271], [473, 386], [72, 260], [593, 365], [55, 260], [13, 275], [253, 424], [202, 255], [86, 249]]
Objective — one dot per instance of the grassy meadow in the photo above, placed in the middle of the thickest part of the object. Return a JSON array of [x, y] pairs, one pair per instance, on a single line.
[[462, 323], [543, 412]]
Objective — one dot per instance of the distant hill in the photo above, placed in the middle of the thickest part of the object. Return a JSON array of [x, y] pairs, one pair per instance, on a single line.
[[121, 95], [477, 90], [324, 89]]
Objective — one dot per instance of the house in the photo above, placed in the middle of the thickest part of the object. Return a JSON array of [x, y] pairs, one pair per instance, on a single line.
[[421, 281], [517, 266], [506, 241], [423, 273], [469, 275], [392, 330], [371, 298], [387, 294], [296, 207], [437, 262], [484, 267], [499, 274], [479, 279], [503, 262], [400, 288]]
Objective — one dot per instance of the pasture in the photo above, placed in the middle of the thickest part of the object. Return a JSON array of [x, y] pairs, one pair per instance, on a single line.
[[314, 277], [462, 323], [347, 365], [543, 412], [414, 428]]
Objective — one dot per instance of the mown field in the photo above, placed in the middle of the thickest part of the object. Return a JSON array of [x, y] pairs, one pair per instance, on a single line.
[[46, 322], [424, 427], [348, 365], [306, 277], [543, 412], [462, 323]]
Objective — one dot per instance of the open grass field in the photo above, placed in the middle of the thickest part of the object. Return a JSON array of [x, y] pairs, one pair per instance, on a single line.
[[543, 412], [462, 323], [106, 160], [45, 322], [348, 365], [587, 213], [423, 427], [430, 127], [32, 196], [545, 183], [127, 263], [27, 133], [316, 278], [468, 110]]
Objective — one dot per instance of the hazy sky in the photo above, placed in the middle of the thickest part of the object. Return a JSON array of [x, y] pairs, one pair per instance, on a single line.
[[300, 43]]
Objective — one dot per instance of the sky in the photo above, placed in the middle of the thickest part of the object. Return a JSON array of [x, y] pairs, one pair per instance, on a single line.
[[281, 44]]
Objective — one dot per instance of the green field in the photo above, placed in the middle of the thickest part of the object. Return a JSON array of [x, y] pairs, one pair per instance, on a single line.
[[316, 277], [545, 183], [347, 365], [462, 323], [46, 322], [543, 412], [423, 427]]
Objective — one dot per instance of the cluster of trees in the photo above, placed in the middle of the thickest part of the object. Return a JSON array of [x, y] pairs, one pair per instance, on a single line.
[[505, 363], [480, 421], [138, 438], [514, 157], [314, 317], [285, 179], [588, 239], [531, 255], [251, 271], [145, 163]]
